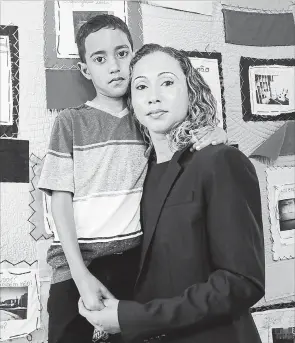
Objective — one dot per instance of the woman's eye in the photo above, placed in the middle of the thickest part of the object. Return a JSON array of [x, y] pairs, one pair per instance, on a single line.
[[99, 59], [168, 83], [123, 53], [140, 87]]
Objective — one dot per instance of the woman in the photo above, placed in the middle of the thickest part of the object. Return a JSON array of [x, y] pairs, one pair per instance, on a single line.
[[202, 260]]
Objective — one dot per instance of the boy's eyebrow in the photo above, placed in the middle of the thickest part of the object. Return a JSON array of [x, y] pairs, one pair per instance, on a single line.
[[101, 52], [163, 72], [98, 52], [121, 47]]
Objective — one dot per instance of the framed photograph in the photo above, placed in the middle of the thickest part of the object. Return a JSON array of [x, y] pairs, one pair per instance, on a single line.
[[19, 303], [267, 89], [69, 16], [275, 326], [286, 207], [272, 89], [283, 335], [6, 82], [281, 204], [77, 17], [14, 303], [9, 69], [209, 65]]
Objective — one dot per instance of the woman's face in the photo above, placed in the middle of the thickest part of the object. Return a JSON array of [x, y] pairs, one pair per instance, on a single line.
[[159, 92]]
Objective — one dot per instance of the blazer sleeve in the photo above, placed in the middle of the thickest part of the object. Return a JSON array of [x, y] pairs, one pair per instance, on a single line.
[[235, 232]]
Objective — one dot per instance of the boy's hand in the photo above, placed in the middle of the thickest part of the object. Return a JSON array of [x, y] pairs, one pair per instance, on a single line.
[[92, 292], [215, 137]]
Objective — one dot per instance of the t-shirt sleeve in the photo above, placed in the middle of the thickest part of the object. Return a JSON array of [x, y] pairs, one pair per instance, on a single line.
[[58, 168]]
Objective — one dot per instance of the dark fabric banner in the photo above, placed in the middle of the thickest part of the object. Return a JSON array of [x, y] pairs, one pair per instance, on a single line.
[[67, 88], [259, 29], [14, 160]]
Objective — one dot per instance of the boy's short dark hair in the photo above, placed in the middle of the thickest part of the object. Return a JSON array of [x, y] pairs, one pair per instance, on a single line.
[[97, 23]]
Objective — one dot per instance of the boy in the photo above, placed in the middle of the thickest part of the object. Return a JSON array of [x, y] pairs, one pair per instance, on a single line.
[[94, 170]]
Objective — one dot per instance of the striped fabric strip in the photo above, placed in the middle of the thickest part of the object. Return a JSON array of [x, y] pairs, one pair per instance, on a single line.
[[104, 144]]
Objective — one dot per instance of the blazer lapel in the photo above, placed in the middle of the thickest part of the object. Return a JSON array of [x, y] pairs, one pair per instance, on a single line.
[[167, 181]]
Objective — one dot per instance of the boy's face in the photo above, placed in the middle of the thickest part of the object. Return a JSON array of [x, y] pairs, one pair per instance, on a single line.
[[108, 54]]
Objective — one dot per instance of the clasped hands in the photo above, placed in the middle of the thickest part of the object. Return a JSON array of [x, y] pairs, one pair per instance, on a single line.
[[98, 305], [105, 319]]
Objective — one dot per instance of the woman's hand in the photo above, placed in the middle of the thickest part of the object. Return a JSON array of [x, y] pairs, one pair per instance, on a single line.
[[106, 318], [215, 137]]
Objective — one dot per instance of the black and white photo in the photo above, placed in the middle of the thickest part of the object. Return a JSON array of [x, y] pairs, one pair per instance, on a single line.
[[267, 89], [281, 197], [70, 15], [13, 303], [287, 214], [19, 302], [9, 86], [272, 89], [283, 335], [6, 82]]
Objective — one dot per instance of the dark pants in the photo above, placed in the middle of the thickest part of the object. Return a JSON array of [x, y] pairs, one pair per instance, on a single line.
[[117, 272]]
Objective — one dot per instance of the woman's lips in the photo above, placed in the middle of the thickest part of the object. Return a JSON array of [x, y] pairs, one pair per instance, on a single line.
[[156, 114]]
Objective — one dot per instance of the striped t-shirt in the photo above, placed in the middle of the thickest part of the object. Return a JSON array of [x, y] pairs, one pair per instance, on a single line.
[[99, 157]]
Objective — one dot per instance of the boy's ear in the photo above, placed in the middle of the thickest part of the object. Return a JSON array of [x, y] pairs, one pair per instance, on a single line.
[[84, 70]]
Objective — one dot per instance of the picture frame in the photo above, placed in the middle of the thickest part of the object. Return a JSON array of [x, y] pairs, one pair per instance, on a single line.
[[281, 204], [52, 61], [283, 335], [270, 323], [19, 302], [6, 82], [9, 81], [209, 65], [65, 85], [267, 89], [69, 16]]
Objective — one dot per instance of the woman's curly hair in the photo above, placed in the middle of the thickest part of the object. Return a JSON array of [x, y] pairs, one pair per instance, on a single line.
[[201, 116]]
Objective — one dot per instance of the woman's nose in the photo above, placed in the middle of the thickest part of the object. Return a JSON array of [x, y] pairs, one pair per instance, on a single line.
[[154, 96]]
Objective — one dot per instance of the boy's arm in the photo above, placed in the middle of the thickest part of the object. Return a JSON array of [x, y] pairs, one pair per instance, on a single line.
[[214, 137], [91, 290]]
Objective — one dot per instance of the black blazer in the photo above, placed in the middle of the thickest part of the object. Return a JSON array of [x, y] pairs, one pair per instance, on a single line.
[[202, 261]]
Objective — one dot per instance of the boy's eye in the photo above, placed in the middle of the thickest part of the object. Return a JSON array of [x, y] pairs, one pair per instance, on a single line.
[[167, 83], [123, 53], [99, 59], [140, 87]]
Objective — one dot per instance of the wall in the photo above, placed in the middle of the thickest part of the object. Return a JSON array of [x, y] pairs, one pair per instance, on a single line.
[[181, 30], [16, 243]]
